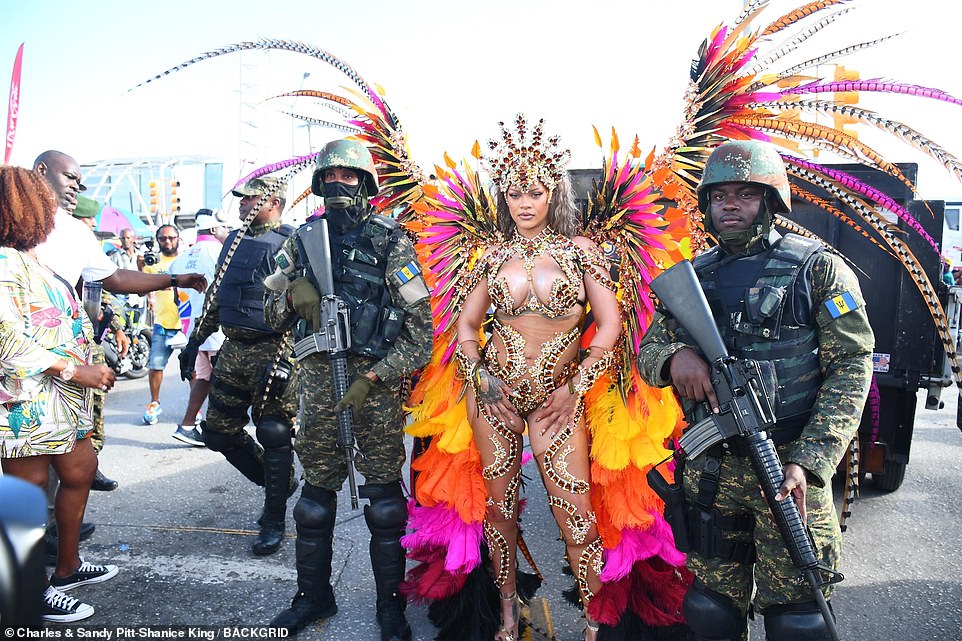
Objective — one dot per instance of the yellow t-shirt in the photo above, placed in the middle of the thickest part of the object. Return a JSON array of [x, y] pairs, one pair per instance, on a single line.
[[165, 309]]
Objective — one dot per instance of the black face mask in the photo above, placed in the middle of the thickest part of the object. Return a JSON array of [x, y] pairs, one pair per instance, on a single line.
[[345, 206]]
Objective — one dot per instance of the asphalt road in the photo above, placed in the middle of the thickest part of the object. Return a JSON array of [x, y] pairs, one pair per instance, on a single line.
[[181, 524]]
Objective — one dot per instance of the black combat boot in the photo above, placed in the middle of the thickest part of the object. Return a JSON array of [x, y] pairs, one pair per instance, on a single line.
[[277, 483], [386, 517], [314, 515]]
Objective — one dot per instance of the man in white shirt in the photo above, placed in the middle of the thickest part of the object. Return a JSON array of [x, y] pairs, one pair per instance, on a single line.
[[202, 257], [72, 251]]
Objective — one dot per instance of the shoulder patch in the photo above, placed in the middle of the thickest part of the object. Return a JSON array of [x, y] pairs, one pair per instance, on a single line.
[[841, 304], [284, 261], [410, 282], [408, 272]]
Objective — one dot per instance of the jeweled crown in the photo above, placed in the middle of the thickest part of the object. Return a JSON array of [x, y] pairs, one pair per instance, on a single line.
[[520, 161]]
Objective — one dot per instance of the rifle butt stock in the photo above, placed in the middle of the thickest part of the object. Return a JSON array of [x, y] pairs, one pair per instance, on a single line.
[[679, 291]]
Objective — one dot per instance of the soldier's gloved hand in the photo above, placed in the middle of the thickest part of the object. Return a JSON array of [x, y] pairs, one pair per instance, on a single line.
[[355, 396], [187, 358], [306, 301]]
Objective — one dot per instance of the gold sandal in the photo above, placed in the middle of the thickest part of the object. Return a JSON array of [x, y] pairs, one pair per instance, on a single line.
[[503, 633]]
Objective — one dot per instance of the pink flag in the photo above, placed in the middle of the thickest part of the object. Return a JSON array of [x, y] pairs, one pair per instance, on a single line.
[[13, 106]]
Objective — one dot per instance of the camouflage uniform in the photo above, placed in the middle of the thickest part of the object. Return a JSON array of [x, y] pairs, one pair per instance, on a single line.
[[379, 428], [98, 435], [97, 357], [237, 384], [844, 357]]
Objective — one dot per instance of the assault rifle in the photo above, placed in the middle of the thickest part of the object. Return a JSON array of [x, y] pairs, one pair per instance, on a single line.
[[745, 413], [332, 337]]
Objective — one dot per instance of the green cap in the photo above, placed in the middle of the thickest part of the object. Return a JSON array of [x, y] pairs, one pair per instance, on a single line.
[[261, 186], [86, 207]]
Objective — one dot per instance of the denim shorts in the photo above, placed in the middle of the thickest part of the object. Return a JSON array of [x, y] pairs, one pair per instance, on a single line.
[[159, 352]]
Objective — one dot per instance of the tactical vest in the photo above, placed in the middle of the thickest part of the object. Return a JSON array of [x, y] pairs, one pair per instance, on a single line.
[[764, 311], [359, 267], [240, 297]]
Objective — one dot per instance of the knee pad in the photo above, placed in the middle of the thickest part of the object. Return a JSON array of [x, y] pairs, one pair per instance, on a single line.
[[711, 615], [388, 511], [224, 442], [273, 432], [316, 509], [796, 622]]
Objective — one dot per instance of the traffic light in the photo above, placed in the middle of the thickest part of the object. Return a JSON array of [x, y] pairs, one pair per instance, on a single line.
[[154, 197], [174, 197], [842, 121]]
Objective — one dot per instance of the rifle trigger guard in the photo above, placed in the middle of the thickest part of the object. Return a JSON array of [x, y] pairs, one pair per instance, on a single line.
[[828, 576]]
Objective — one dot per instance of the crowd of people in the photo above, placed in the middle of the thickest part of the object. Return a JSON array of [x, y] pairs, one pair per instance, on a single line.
[[260, 348], [50, 365]]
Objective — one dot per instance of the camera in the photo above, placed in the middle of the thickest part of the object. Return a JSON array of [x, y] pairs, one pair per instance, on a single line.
[[150, 256]]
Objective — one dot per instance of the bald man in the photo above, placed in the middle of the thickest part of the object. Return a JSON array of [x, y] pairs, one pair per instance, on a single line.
[[72, 251], [60, 252]]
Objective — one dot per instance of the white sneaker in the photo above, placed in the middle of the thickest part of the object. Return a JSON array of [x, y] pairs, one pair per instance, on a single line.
[[63, 608]]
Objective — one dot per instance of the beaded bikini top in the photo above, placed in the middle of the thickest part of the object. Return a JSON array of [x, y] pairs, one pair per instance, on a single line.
[[564, 291]]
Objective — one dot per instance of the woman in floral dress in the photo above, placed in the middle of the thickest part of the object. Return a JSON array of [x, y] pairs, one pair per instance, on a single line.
[[45, 382]]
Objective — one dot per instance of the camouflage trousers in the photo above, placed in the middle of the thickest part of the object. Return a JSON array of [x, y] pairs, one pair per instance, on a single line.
[[97, 436], [776, 581], [378, 430], [237, 386]]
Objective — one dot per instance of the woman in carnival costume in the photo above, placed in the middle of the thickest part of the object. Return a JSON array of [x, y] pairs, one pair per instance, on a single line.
[[540, 281]]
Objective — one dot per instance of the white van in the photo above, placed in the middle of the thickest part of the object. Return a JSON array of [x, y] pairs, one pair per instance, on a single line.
[[952, 234]]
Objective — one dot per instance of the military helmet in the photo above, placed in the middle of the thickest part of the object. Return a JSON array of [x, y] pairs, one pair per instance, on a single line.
[[345, 153], [746, 161]]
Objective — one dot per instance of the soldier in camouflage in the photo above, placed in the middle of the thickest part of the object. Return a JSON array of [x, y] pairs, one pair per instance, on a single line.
[[787, 301], [97, 437], [86, 211], [376, 272], [245, 377]]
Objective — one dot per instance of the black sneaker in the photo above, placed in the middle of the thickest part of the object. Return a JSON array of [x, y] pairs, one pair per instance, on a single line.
[[62, 608], [190, 436], [86, 574]]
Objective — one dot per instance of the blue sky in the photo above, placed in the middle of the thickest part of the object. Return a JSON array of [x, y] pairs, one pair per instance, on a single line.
[[451, 71]]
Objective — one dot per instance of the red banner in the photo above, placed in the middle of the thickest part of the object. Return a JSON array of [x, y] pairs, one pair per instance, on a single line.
[[13, 106]]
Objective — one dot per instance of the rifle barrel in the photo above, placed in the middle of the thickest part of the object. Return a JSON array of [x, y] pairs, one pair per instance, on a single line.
[[345, 421]]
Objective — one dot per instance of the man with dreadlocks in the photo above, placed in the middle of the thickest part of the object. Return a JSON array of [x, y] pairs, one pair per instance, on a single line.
[[252, 370], [376, 273], [787, 301]]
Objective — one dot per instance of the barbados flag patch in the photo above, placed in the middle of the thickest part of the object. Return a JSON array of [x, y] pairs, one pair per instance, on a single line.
[[408, 272], [841, 304]]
